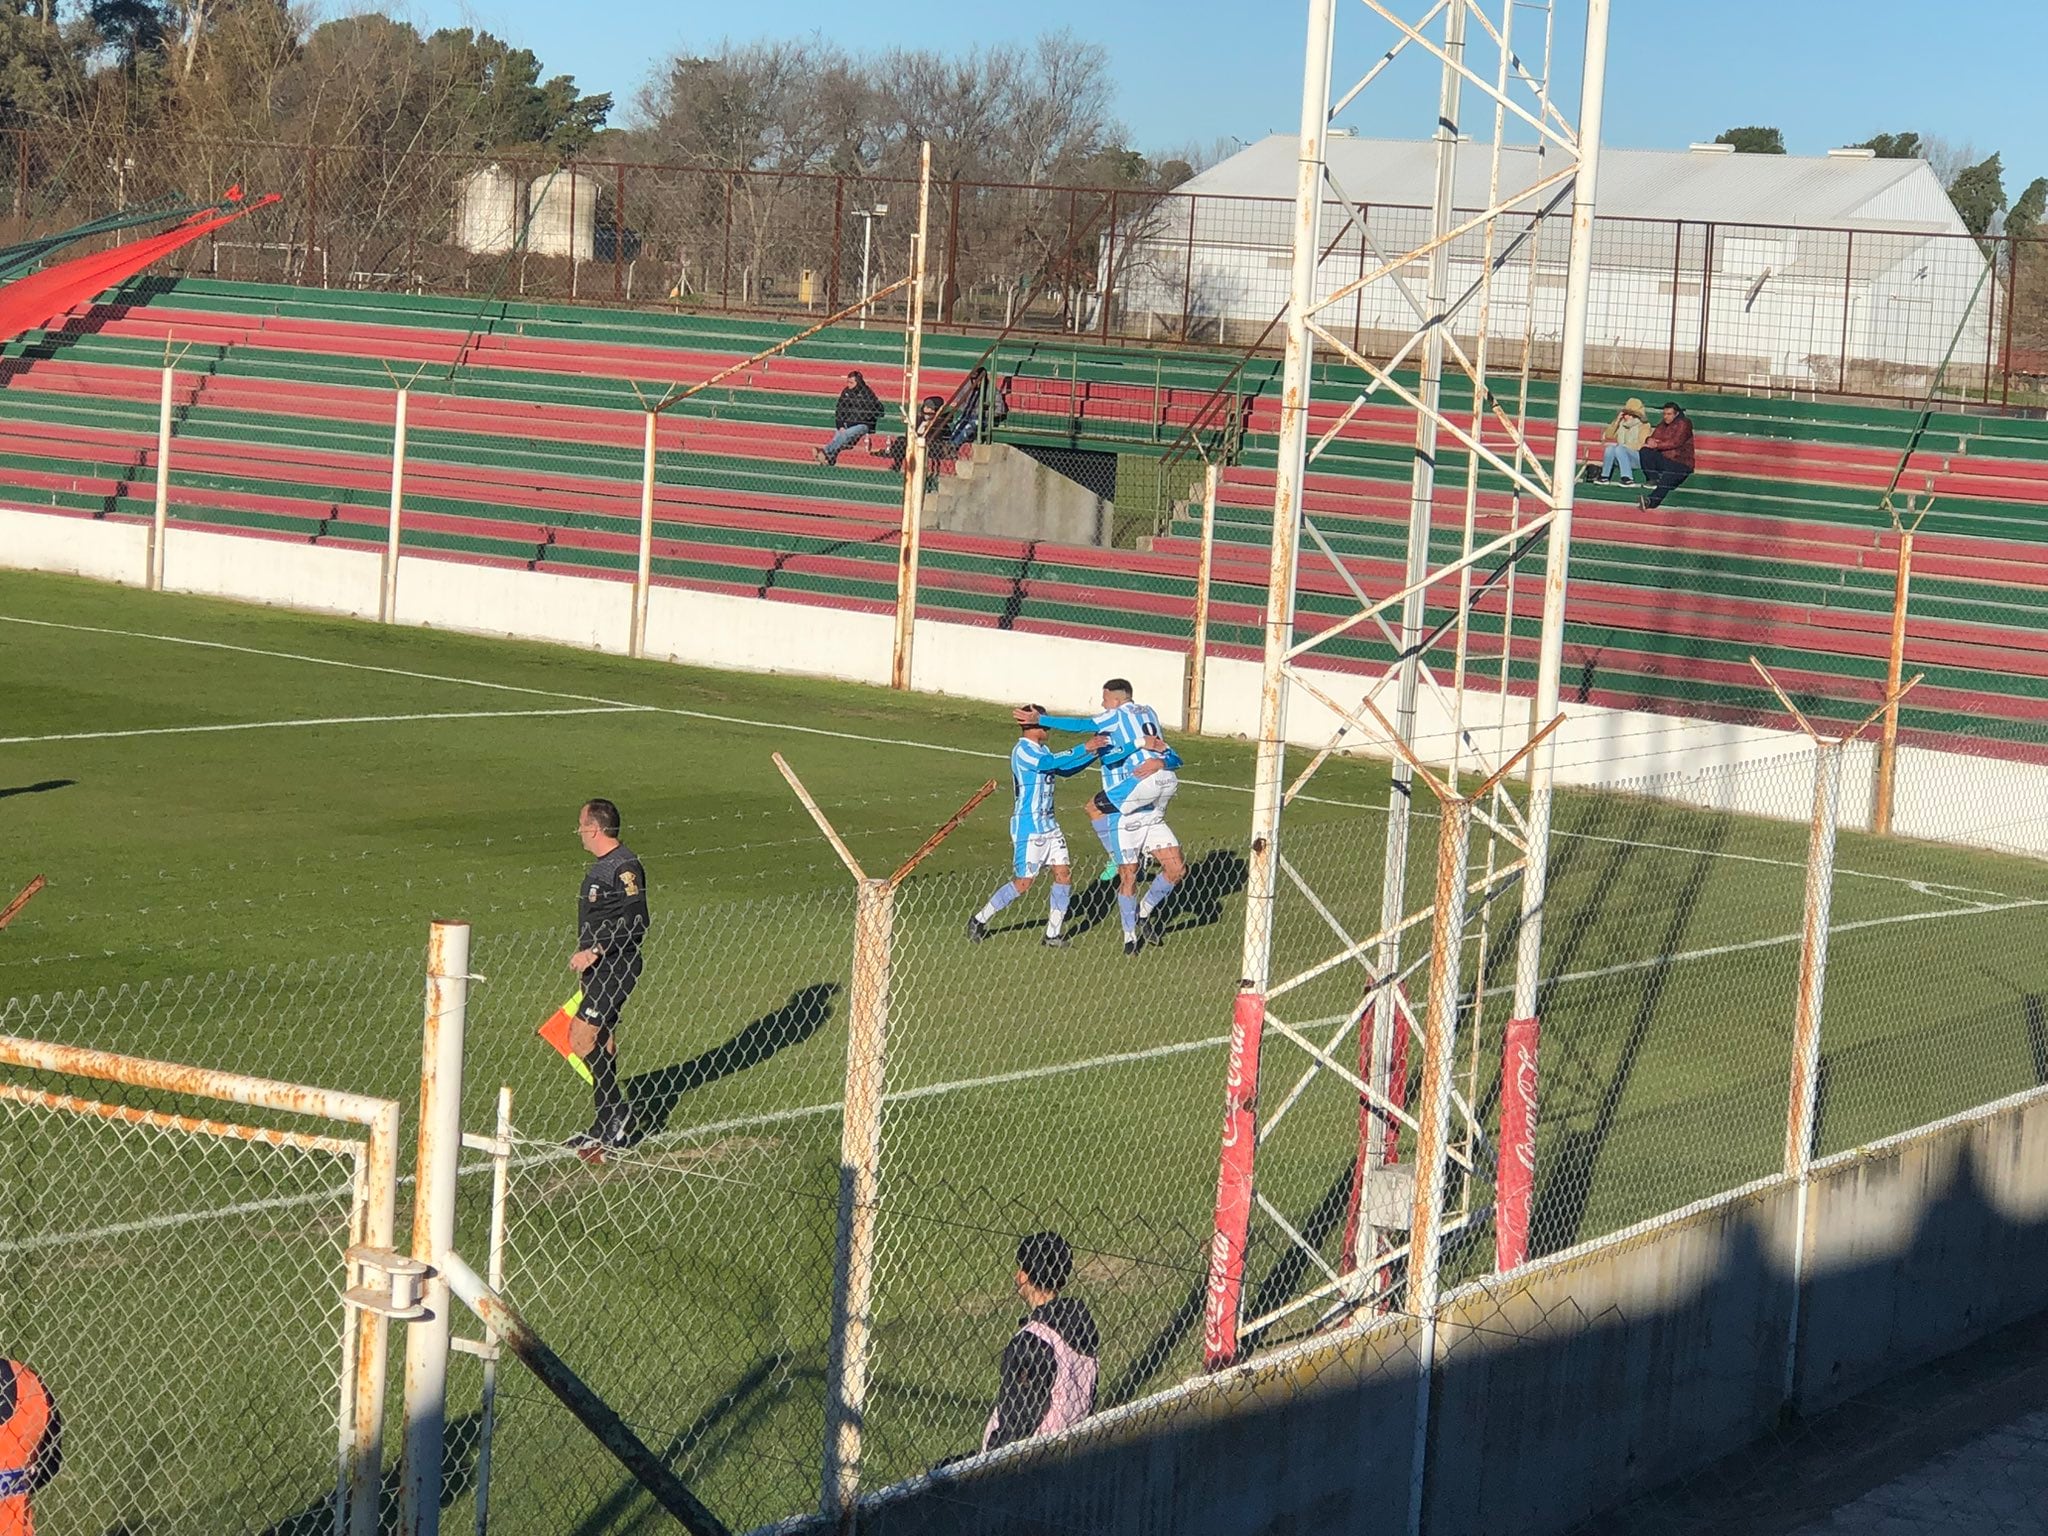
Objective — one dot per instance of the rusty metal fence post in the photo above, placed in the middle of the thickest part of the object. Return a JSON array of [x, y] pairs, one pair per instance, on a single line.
[[860, 1148], [1813, 958], [643, 569], [860, 1158], [433, 1225], [1895, 664], [1802, 1110]]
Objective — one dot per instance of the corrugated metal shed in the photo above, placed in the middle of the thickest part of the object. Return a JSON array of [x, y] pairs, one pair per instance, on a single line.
[[1807, 190]]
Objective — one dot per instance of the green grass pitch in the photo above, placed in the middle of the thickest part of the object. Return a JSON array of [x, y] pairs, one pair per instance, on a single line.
[[234, 886]]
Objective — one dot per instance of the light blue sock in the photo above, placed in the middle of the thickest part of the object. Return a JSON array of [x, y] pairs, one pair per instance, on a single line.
[[1128, 906], [1155, 896], [1105, 831], [1061, 895], [1005, 894]]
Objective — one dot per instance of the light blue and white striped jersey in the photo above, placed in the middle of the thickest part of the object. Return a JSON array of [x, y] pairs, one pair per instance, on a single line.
[[1033, 771], [1126, 726]]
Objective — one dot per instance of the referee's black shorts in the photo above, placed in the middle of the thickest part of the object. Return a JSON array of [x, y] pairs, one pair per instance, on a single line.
[[606, 986]]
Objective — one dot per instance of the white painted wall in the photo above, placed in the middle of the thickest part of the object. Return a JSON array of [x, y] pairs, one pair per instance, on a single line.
[[75, 546], [528, 605], [747, 634], [309, 576], [1064, 674]]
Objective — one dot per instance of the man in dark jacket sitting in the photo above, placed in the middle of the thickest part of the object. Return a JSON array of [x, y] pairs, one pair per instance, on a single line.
[[856, 413], [1667, 455]]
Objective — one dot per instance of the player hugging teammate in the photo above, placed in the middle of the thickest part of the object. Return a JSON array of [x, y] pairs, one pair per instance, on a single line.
[[1129, 814]]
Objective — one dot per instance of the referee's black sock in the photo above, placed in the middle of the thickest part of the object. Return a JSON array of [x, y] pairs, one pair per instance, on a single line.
[[610, 1103]]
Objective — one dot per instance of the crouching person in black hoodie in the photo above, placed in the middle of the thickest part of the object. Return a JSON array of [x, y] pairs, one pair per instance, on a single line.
[[1050, 1363]]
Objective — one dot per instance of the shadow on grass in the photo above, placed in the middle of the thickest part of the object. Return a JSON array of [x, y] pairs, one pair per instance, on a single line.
[[654, 1095], [1282, 1278], [42, 787], [1566, 1185], [458, 1481], [753, 1394]]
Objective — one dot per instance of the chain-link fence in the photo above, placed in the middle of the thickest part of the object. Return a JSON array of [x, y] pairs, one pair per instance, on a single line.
[[698, 1279], [173, 1278], [1865, 310]]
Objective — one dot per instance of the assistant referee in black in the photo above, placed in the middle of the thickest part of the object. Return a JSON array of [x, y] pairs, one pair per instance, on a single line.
[[611, 921]]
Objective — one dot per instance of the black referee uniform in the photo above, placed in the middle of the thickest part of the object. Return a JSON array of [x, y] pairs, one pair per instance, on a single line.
[[611, 919]]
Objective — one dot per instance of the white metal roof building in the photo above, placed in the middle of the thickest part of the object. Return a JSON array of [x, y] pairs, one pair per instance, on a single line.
[[1807, 271]]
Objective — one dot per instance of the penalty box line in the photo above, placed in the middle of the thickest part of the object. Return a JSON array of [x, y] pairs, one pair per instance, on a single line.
[[962, 1085]]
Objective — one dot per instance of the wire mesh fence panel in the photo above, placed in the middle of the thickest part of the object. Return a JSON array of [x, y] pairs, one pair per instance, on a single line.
[[1034, 1088], [1935, 985], [1860, 309], [352, 1019], [178, 1290], [688, 1278], [1670, 971]]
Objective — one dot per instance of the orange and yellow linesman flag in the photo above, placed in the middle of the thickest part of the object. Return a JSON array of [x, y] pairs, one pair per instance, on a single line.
[[556, 1032]]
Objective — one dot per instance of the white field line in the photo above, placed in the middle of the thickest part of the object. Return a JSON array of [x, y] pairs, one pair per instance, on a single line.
[[959, 1085], [1741, 946], [814, 730], [280, 725]]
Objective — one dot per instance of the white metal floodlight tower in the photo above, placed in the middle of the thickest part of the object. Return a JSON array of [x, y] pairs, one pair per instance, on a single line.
[[1522, 248]]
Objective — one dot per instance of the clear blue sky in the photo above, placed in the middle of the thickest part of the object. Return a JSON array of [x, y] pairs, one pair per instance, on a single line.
[[1826, 71]]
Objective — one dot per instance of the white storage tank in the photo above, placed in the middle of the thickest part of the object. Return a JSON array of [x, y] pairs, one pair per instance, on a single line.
[[487, 211], [562, 215]]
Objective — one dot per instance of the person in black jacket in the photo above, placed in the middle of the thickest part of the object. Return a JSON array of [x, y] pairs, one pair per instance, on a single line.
[[1050, 1363], [856, 413], [611, 920]]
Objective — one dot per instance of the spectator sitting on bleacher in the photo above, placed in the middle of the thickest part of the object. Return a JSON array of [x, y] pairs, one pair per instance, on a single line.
[[856, 413], [1624, 442], [966, 423], [927, 414], [1667, 455]]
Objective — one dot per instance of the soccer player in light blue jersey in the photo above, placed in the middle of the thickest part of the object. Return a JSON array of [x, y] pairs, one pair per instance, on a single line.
[[1138, 779], [1038, 842]]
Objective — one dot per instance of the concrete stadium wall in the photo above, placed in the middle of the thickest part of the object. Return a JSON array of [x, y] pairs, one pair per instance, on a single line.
[[1572, 1385], [74, 546], [1948, 797], [1922, 1244], [280, 571]]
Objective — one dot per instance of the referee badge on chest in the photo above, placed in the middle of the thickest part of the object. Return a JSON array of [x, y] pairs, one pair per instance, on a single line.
[[595, 892]]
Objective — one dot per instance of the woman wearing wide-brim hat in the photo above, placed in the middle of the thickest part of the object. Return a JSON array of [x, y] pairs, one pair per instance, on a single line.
[[1624, 439]]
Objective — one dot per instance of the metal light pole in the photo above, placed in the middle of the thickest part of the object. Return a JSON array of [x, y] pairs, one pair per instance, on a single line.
[[867, 217]]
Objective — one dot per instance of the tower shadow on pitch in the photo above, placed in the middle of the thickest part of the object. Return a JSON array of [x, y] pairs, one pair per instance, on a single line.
[[654, 1095]]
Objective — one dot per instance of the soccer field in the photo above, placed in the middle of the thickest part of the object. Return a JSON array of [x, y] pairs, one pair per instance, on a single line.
[[247, 818]]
